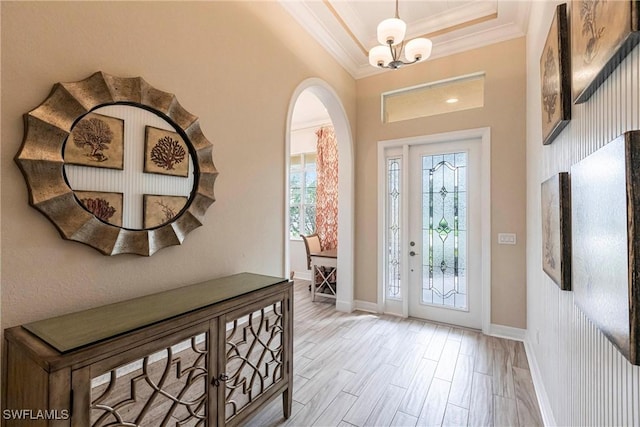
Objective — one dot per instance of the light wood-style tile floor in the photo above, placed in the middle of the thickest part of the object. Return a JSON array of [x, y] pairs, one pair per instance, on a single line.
[[363, 369]]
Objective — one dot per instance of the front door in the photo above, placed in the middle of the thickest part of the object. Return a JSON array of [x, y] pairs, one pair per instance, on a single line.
[[444, 238]]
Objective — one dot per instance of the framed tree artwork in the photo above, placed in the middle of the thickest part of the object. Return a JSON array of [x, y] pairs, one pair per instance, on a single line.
[[555, 77], [96, 141], [605, 219], [556, 229], [602, 34], [165, 153], [107, 207], [160, 210]]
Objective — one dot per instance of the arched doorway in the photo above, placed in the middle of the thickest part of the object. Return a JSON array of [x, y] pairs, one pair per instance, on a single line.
[[332, 103]]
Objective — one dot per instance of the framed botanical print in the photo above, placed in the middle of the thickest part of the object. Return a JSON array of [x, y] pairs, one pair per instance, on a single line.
[[602, 34], [556, 229], [165, 153], [96, 141], [555, 77], [105, 206], [160, 210]]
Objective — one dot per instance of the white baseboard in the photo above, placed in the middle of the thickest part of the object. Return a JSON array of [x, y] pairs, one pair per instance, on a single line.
[[507, 332], [302, 275], [538, 385], [541, 393], [370, 307]]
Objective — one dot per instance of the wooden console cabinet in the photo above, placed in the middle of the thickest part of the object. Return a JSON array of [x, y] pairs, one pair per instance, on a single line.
[[208, 354]]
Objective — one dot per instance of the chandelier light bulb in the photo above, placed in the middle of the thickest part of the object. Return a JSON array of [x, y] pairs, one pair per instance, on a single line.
[[418, 49], [391, 30], [380, 56]]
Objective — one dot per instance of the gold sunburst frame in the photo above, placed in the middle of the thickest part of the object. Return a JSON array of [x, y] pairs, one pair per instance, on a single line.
[[42, 163]]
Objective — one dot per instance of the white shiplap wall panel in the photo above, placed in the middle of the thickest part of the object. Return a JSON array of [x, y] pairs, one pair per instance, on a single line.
[[586, 381]]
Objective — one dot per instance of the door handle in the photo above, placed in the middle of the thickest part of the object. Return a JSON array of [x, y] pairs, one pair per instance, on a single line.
[[216, 381]]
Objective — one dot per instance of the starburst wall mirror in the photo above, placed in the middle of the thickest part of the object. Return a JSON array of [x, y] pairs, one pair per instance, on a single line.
[[117, 164]]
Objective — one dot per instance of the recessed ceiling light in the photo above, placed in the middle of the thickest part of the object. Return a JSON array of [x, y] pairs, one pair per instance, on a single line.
[[452, 100]]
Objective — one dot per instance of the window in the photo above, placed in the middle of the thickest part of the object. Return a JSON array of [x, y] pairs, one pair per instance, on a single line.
[[393, 253], [446, 96], [302, 195]]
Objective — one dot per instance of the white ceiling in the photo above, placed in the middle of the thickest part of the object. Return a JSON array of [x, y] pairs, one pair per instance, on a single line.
[[308, 112], [347, 28]]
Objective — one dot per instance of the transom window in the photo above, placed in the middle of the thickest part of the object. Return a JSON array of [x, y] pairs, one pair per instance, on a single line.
[[441, 97]]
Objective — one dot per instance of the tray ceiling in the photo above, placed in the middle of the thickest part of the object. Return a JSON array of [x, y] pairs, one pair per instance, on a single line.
[[347, 28]]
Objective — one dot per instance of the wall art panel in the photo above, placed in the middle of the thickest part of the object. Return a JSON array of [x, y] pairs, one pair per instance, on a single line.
[[556, 229], [605, 190], [602, 34], [555, 77]]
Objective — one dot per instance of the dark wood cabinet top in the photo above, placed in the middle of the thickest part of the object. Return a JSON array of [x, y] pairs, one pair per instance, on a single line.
[[75, 330]]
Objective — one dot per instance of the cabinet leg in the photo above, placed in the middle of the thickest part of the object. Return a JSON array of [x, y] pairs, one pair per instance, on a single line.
[[287, 401]]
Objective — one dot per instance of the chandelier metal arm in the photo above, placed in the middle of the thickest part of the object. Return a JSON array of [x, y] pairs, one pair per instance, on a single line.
[[396, 52]]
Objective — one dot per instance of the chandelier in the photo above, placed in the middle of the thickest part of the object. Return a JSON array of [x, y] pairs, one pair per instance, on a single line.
[[391, 34]]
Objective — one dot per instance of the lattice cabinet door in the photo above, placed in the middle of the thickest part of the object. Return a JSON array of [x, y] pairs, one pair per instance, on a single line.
[[256, 351], [165, 382]]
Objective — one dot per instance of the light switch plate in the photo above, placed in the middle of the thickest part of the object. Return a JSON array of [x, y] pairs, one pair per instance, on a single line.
[[506, 238]]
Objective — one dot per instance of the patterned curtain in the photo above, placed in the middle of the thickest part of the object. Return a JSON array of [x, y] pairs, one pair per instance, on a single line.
[[327, 190]]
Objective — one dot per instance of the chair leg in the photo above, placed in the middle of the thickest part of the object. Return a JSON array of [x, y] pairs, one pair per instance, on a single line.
[[313, 283]]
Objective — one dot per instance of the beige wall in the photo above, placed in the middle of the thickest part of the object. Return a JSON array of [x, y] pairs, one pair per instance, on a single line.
[[504, 113], [233, 64]]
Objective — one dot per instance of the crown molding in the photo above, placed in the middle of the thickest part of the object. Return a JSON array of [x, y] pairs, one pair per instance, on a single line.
[[452, 18], [310, 16]]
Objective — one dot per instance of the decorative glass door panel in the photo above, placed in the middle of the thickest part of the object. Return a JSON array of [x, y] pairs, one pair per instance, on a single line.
[[393, 241], [444, 228], [444, 233]]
